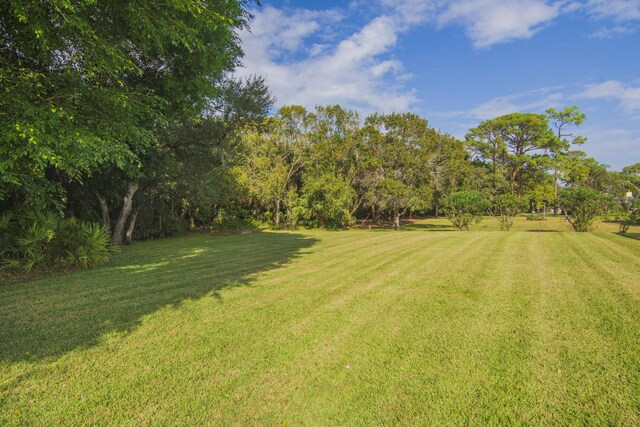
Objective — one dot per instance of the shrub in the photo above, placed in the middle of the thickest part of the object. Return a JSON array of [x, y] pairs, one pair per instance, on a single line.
[[81, 244], [38, 240], [630, 214], [464, 207], [29, 237], [583, 207], [505, 208]]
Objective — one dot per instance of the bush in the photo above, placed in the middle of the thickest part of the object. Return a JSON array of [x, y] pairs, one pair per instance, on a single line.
[[81, 244], [464, 207], [39, 240], [583, 207], [505, 208], [536, 217], [630, 214]]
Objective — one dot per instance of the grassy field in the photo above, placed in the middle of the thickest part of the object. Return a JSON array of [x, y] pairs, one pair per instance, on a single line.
[[423, 326]]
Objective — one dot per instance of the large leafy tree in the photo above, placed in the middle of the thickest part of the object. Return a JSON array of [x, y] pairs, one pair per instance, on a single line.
[[200, 158], [632, 177], [579, 170], [332, 178], [398, 160], [87, 84], [448, 165], [514, 145], [274, 159]]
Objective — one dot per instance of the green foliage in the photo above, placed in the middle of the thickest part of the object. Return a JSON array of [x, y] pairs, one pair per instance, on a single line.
[[505, 208], [509, 143], [328, 200], [630, 214], [399, 153], [274, 159], [43, 239], [578, 170], [584, 206], [91, 84], [570, 116], [464, 207], [85, 244]]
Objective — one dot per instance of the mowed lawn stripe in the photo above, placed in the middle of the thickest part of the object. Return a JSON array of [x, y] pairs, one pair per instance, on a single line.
[[588, 380]]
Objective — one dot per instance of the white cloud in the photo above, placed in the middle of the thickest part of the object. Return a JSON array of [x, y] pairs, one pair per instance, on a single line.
[[628, 96], [616, 147], [614, 31], [491, 22], [413, 12], [538, 100], [488, 22], [621, 12], [533, 101], [355, 71], [618, 10], [308, 59]]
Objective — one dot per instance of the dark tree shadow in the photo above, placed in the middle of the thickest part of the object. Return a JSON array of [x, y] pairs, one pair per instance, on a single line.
[[635, 236], [52, 316], [430, 227]]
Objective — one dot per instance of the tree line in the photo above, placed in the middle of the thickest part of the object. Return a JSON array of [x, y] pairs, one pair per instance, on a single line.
[[329, 166], [124, 121]]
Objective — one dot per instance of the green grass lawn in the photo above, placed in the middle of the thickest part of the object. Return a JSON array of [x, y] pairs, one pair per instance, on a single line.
[[425, 326]]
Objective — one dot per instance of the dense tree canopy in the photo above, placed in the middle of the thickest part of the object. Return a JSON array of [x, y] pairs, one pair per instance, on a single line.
[[88, 85], [514, 145]]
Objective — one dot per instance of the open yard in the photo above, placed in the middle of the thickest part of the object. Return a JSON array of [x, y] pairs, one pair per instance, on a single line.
[[422, 326]]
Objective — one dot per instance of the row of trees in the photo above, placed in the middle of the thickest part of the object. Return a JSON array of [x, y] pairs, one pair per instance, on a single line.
[[127, 114], [582, 206], [328, 166]]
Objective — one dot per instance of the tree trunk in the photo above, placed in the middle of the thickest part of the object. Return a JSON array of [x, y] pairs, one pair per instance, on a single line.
[[128, 237], [396, 217], [519, 185], [276, 217], [356, 206], [118, 231], [104, 208], [555, 189]]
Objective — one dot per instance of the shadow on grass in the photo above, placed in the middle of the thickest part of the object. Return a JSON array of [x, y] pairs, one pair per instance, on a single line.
[[55, 315], [431, 227], [635, 236], [541, 231]]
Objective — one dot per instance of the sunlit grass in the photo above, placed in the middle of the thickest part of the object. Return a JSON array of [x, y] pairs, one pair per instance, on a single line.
[[350, 327]]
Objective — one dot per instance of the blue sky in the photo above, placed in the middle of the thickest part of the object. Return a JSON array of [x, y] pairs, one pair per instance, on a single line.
[[458, 62]]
